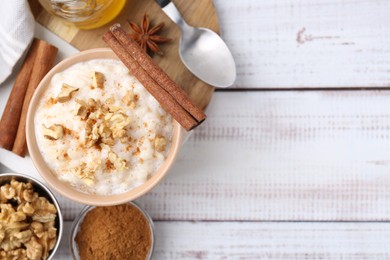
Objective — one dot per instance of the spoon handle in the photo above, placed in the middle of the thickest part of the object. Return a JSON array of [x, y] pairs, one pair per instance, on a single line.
[[170, 9], [163, 3]]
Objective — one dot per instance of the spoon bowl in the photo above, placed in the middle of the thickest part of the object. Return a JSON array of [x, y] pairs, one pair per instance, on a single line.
[[203, 51]]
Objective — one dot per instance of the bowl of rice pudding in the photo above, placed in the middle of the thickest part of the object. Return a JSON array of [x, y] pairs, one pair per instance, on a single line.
[[96, 135]]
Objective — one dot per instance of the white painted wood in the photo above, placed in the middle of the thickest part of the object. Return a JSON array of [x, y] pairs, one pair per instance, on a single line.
[[63, 252], [306, 44], [4, 169], [254, 240], [293, 156], [281, 156]]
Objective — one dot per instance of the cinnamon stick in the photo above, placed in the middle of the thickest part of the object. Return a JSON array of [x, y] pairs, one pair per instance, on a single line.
[[10, 120], [156, 73], [44, 60], [161, 95]]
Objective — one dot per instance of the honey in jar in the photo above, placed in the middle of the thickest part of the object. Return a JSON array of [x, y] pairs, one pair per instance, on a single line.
[[85, 14]]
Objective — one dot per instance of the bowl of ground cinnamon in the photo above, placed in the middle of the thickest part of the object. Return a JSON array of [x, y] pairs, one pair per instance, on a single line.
[[115, 232]]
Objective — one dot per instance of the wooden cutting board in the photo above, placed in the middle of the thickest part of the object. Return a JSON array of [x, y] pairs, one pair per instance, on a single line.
[[197, 13]]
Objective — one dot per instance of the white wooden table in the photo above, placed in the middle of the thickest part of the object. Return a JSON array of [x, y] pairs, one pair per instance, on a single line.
[[294, 160]]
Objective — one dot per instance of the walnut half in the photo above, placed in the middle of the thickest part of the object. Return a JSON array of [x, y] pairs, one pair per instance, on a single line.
[[53, 132], [66, 93]]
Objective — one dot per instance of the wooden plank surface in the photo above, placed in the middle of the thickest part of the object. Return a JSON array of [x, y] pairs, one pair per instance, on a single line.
[[281, 156], [285, 156], [308, 44], [200, 13], [255, 240], [301, 43]]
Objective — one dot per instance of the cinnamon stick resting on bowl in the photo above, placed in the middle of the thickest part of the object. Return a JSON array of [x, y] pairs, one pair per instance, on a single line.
[[171, 97]]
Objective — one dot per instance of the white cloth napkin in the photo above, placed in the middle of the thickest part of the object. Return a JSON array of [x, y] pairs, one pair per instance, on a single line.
[[16, 33]]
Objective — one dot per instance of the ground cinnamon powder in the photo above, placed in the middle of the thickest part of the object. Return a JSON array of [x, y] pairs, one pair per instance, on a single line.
[[117, 232]]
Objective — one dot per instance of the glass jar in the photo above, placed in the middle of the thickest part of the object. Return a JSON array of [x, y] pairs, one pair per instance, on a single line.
[[85, 14]]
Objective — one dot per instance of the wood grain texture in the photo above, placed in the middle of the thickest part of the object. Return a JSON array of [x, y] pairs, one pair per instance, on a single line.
[[300, 43], [281, 156], [198, 13], [254, 240], [291, 156], [308, 44]]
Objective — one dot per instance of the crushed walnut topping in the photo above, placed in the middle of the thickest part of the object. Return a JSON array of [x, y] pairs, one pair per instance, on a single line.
[[136, 152], [104, 124], [97, 79], [160, 143], [66, 93], [81, 109], [111, 133], [129, 99], [53, 132], [110, 100], [86, 172], [119, 163], [51, 101]]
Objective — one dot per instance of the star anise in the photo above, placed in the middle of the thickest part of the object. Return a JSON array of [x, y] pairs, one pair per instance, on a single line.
[[147, 37]]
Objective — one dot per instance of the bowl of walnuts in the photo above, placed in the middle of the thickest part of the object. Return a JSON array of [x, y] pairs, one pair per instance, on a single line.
[[30, 219]]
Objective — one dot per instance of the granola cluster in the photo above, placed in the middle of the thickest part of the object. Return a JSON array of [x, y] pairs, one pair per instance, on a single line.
[[27, 222]]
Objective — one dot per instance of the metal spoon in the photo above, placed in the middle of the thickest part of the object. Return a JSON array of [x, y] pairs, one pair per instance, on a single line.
[[202, 51]]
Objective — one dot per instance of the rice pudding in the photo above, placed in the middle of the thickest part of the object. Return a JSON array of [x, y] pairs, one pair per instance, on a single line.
[[100, 130]]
